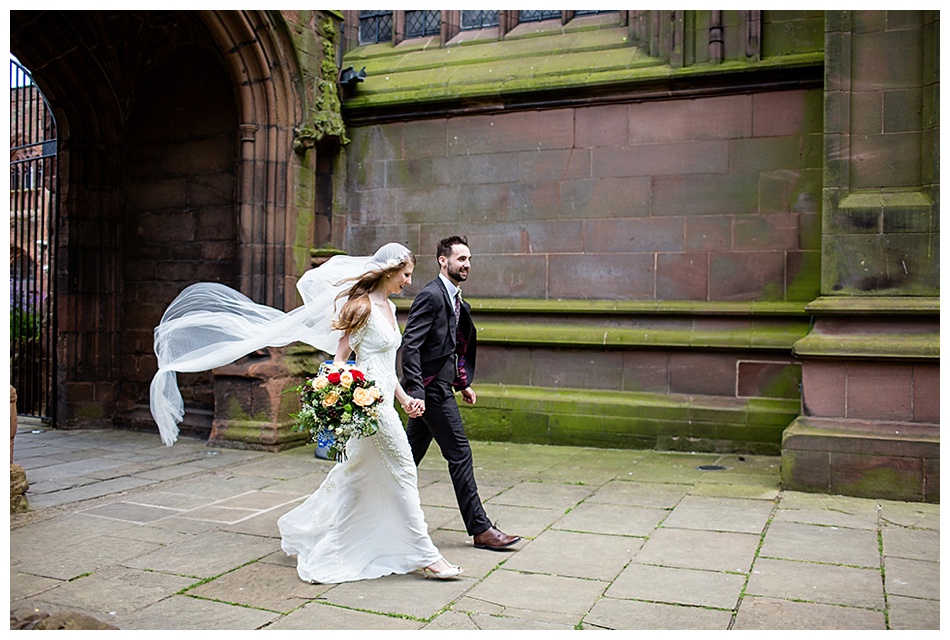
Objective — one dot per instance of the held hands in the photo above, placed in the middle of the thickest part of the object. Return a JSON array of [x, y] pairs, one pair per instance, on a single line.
[[414, 407]]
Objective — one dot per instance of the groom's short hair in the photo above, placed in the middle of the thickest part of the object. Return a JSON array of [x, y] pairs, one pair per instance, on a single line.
[[446, 244]]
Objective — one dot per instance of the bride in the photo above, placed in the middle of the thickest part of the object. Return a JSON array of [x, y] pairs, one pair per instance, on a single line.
[[365, 520]]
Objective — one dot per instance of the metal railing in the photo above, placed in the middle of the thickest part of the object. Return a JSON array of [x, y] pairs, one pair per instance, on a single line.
[[33, 208]]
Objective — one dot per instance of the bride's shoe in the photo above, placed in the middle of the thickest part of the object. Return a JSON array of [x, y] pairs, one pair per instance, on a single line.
[[445, 574]]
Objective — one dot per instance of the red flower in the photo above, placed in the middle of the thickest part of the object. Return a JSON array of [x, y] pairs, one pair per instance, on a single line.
[[357, 375], [334, 378]]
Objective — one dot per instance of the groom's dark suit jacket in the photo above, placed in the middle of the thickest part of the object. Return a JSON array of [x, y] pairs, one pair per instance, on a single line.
[[429, 340]]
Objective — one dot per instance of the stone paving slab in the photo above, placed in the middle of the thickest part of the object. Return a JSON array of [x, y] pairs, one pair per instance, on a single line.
[[833, 545], [695, 549], [671, 585], [916, 544], [193, 556], [113, 591], [821, 583], [640, 494], [912, 578], [80, 557], [405, 595], [609, 613], [832, 511], [552, 597], [263, 586], [592, 517], [185, 612], [541, 495], [774, 614], [912, 614], [720, 514], [593, 556], [325, 616], [187, 539]]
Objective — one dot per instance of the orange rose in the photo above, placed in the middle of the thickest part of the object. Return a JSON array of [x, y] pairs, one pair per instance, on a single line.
[[363, 397], [331, 399]]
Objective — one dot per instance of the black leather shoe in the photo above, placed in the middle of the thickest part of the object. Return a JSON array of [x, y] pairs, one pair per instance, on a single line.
[[495, 540]]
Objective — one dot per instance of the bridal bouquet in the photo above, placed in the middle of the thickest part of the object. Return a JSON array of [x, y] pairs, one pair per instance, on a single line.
[[339, 403]]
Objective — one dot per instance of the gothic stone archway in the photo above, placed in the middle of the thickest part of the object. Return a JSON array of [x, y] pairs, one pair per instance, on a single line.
[[176, 130]]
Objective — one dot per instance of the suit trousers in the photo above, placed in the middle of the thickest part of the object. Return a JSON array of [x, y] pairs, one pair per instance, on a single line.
[[442, 422]]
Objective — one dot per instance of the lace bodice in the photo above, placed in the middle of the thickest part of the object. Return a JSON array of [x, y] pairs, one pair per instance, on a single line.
[[375, 344]]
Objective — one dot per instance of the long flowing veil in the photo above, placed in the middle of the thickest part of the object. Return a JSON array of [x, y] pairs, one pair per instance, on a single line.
[[210, 325]]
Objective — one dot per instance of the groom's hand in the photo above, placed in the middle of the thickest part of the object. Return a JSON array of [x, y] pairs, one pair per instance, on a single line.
[[468, 395], [414, 407]]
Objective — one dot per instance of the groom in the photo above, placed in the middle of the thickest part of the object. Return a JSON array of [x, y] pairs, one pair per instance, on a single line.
[[438, 357]]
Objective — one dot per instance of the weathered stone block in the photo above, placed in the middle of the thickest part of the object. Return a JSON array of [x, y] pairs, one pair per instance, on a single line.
[[708, 233], [768, 379], [674, 159], [824, 389], [724, 117], [868, 459], [517, 131], [879, 391], [926, 393], [646, 371], [756, 275], [802, 275], [548, 165], [601, 276], [765, 232], [425, 138], [252, 404], [605, 198], [602, 126], [635, 235], [703, 373], [682, 276], [18, 487], [890, 160], [706, 195]]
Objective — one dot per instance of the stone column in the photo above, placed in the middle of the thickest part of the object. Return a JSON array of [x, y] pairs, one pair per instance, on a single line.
[[870, 366]]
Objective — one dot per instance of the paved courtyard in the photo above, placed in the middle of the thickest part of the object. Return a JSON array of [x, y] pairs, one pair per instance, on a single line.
[[141, 536]]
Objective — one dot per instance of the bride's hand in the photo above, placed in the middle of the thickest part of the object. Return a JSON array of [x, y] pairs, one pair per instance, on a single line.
[[414, 407]]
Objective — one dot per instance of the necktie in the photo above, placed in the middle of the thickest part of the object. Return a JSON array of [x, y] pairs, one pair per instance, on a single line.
[[461, 377]]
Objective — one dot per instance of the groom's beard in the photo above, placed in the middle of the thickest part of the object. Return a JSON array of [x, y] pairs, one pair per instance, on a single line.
[[457, 275]]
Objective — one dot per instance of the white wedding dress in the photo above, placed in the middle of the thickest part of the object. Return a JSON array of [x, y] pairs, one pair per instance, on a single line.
[[365, 521]]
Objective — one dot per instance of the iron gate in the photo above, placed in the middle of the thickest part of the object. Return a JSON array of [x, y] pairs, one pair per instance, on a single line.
[[33, 209]]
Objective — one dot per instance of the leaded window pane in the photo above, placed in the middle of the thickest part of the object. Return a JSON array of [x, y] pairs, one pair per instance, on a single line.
[[591, 12], [376, 26], [479, 19], [536, 15], [423, 23]]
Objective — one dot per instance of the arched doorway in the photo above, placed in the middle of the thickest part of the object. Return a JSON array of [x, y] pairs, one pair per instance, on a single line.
[[176, 132], [33, 218]]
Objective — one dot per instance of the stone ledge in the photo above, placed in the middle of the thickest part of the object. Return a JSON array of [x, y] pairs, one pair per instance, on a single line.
[[629, 307], [874, 305], [628, 420], [873, 345], [865, 437], [564, 335], [863, 459]]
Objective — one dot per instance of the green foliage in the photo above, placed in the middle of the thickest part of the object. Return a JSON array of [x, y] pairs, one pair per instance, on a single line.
[[24, 325]]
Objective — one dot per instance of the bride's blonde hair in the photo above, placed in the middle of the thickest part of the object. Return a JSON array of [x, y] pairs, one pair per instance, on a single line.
[[356, 309]]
